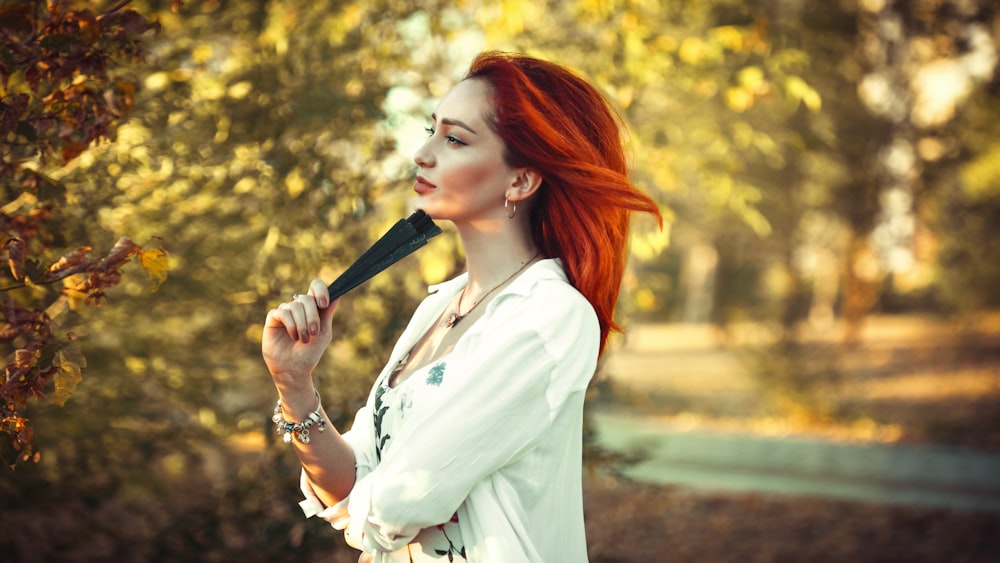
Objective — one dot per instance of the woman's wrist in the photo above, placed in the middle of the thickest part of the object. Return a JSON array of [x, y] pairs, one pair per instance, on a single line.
[[293, 374], [300, 429], [297, 396]]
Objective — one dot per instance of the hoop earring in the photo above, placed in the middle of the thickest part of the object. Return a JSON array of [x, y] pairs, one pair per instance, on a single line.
[[511, 209]]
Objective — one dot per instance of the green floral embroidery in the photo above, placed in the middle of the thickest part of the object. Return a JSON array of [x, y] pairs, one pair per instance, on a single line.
[[436, 375], [380, 410]]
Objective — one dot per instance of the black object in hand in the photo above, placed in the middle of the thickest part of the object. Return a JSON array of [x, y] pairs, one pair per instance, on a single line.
[[406, 236]]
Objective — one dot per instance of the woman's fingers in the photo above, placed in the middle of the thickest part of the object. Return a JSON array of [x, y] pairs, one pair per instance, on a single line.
[[292, 317], [319, 291], [326, 316], [297, 332], [281, 317], [305, 315], [321, 295]]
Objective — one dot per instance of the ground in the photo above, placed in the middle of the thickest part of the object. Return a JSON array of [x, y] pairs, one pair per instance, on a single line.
[[643, 523], [908, 379]]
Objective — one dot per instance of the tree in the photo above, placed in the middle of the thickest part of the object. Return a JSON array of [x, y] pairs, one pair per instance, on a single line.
[[61, 92], [266, 146], [257, 151]]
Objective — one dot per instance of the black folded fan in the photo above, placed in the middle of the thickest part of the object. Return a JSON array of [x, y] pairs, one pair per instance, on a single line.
[[406, 236]]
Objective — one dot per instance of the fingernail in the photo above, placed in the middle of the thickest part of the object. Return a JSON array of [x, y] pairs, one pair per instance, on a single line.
[[314, 329]]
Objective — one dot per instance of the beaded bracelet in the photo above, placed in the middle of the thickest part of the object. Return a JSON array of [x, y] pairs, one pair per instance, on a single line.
[[298, 429]]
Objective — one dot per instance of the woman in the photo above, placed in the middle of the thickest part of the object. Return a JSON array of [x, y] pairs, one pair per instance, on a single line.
[[469, 446]]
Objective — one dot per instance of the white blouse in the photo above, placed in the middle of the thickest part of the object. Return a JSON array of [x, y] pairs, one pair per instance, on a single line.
[[499, 440]]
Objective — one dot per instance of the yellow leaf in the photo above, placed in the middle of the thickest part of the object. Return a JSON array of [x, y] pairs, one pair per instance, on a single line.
[[798, 89], [58, 307], [66, 379], [692, 50], [981, 175], [751, 78], [295, 183], [157, 81], [645, 299], [647, 245], [739, 99], [73, 297], [728, 36], [203, 53], [240, 90], [156, 263]]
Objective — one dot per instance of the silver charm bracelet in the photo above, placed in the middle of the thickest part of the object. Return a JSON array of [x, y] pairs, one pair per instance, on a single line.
[[298, 429]]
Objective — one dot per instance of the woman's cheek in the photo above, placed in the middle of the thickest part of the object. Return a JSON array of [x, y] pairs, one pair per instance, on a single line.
[[471, 176]]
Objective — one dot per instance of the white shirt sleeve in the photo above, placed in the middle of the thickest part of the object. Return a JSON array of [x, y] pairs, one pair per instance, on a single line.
[[361, 439]]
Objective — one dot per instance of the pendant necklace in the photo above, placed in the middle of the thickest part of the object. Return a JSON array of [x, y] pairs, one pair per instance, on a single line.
[[456, 316]]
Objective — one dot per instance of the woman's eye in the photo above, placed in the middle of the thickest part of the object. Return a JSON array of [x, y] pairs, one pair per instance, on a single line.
[[450, 139]]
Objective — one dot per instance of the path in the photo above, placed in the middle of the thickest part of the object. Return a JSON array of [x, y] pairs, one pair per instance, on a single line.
[[684, 367], [955, 478]]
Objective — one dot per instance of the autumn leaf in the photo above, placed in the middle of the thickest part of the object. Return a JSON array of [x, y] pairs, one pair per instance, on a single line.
[[75, 261], [12, 108], [119, 254], [156, 263], [70, 373], [25, 359], [62, 42], [15, 257], [73, 297], [60, 98], [72, 150], [17, 18], [121, 96], [58, 307]]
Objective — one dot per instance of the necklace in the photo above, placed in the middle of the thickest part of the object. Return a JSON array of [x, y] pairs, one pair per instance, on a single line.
[[456, 316]]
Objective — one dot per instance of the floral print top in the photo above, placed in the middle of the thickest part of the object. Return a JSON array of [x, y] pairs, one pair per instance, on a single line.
[[444, 541]]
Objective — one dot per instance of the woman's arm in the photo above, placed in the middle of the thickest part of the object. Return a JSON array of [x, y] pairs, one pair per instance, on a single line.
[[296, 334]]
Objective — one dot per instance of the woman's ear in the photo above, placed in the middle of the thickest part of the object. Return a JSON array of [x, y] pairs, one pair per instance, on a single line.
[[526, 183]]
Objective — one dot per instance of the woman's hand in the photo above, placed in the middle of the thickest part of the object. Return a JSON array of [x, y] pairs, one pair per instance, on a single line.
[[296, 334]]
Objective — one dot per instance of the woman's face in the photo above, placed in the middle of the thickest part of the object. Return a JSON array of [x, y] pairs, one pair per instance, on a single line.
[[461, 174]]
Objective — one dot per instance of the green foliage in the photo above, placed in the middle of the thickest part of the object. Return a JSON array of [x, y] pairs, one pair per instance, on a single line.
[[729, 129], [256, 151], [267, 144], [964, 206]]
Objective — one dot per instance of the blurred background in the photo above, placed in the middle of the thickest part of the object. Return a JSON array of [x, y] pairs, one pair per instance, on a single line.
[[814, 337]]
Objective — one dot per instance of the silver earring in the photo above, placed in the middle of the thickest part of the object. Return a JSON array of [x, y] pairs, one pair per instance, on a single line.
[[510, 208]]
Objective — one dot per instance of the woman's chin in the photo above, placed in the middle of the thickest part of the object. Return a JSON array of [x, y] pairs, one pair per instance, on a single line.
[[427, 206], [428, 209]]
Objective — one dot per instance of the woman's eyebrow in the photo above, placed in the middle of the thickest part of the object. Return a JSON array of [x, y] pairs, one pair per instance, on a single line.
[[449, 121]]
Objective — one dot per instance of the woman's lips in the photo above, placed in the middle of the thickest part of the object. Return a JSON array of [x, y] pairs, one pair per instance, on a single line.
[[422, 186]]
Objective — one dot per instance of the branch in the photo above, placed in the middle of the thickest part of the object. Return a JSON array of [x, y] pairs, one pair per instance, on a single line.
[[117, 7], [44, 282], [13, 287], [34, 24]]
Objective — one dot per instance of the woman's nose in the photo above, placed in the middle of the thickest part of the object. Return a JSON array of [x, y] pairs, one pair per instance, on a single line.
[[423, 157]]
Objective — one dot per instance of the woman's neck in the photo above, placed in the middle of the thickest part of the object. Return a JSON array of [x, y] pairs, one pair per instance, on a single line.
[[494, 252]]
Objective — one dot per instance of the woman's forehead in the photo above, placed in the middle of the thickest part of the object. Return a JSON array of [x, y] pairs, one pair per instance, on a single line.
[[466, 101]]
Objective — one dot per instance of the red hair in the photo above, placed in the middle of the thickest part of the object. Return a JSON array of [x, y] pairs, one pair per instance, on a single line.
[[552, 120]]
